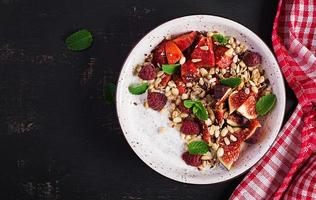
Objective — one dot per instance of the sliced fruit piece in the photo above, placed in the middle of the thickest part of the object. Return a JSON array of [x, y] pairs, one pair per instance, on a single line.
[[192, 159], [248, 108], [231, 151], [237, 120], [159, 55], [164, 80], [206, 136], [221, 93], [236, 99], [173, 52], [185, 41], [221, 59], [253, 125], [251, 59], [190, 127], [219, 114], [189, 72], [254, 138], [180, 84], [203, 53]]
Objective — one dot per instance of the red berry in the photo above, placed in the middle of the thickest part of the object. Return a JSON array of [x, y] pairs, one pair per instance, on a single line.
[[190, 127], [191, 159], [183, 109], [148, 72], [252, 58], [156, 100]]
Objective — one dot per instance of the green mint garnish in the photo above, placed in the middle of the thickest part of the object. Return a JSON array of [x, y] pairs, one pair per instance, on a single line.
[[231, 82], [197, 147], [198, 108], [109, 93], [170, 69], [220, 38], [138, 89], [265, 104], [79, 40]]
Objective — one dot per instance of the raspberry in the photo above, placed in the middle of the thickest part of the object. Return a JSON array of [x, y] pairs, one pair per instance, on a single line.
[[183, 109], [190, 127], [191, 159], [156, 100], [148, 72], [252, 58]]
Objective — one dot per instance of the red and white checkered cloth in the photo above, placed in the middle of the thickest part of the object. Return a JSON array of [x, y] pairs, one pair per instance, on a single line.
[[288, 170]]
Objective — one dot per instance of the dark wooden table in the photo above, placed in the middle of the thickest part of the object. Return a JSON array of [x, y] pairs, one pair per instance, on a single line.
[[58, 139]]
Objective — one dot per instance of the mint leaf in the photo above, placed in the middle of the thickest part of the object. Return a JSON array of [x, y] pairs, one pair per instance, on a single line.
[[201, 112], [220, 38], [138, 89], [79, 40], [198, 147], [170, 69], [197, 108], [188, 103], [109, 93], [265, 104], [231, 82]]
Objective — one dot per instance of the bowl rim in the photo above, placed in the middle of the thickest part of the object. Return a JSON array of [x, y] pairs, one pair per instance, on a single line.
[[257, 38]]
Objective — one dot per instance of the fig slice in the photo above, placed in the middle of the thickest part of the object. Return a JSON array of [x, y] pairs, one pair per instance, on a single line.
[[236, 99], [248, 108], [253, 125], [221, 93], [237, 120], [231, 151]]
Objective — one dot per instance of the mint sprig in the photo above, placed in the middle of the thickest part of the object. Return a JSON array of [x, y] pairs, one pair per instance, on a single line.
[[220, 39], [198, 147], [79, 40], [198, 109], [138, 89], [265, 104], [231, 82], [109, 93], [170, 69]]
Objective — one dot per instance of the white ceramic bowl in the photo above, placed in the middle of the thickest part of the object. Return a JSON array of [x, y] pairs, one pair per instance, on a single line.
[[162, 152]]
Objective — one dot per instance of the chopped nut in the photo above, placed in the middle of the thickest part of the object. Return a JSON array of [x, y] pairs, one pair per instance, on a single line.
[[161, 129], [224, 132], [202, 94], [235, 59], [204, 48], [208, 122], [184, 96], [178, 101], [229, 52], [220, 152], [254, 89], [242, 64], [247, 91], [211, 130], [226, 140], [146, 104], [212, 71], [188, 84], [167, 89], [205, 157], [217, 133], [175, 91], [233, 138], [182, 60], [261, 79], [177, 120], [182, 136], [203, 72], [230, 129], [184, 115], [160, 73], [196, 60], [172, 84], [201, 81], [168, 94]]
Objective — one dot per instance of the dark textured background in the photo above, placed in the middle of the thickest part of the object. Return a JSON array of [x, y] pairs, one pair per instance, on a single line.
[[58, 139]]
